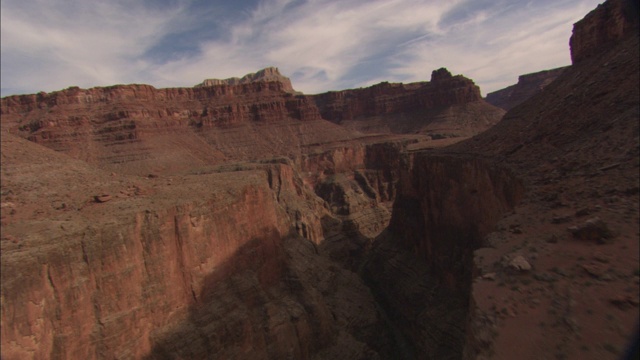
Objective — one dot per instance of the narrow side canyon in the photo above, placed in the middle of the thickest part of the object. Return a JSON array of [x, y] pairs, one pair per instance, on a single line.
[[267, 264]]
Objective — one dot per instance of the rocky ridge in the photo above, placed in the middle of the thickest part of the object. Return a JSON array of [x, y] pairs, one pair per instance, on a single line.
[[602, 28], [355, 248], [576, 148], [140, 129], [528, 85], [446, 106], [269, 74]]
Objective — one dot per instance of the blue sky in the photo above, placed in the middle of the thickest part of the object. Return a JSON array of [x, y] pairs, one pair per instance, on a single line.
[[322, 45]]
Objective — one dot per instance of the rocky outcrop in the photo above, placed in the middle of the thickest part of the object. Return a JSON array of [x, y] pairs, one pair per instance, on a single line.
[[221, 105], [573, 145], [421, 267], [216, 264], [603, 27], [291, 256], [270, 74], [140, 129], [390, 98], [562, 121], [439, 106], [528, 85]]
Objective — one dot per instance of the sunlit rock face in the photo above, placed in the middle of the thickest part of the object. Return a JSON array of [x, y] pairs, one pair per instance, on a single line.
[[234, 220], [219, 264], [446, 106], [270, 74]]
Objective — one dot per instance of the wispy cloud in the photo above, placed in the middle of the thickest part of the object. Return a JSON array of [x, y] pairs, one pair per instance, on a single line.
[[54, 44], [322, 44], [317, 42], [496, 45]]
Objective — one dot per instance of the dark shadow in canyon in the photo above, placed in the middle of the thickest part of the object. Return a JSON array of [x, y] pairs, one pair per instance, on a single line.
[[404, 294], [276, 298]]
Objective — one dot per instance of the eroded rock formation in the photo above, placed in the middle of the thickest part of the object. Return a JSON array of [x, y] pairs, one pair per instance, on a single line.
[[421, 267], [260, 230], [446, 106], [215, 264], [270, 74], [528, 85], [140, 129], [603, 27]]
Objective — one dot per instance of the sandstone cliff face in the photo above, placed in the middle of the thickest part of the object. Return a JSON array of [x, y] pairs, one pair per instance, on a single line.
[[270, 74], [410, 108], [575, 145], [140, 129], [216, 264], [603, 27], [421, 267], [387, 98], [258, 259], [213, 105], [528, 85]]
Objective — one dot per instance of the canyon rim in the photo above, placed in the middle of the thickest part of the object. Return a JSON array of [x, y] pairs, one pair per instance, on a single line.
[[241, 219]]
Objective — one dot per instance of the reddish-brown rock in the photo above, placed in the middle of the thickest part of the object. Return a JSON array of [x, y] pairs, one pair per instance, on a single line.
[[421, 267], [528, 85], [208, 265], [140, 129], [447, 105], [270, 74], [603, 27], [271, 256], [575, 146]]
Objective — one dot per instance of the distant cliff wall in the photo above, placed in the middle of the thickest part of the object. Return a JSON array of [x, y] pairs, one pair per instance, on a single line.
[[389, 98], [269, 74], [528, 85]]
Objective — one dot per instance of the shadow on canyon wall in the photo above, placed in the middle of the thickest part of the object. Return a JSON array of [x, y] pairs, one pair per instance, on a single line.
[[275, 298], [404, 292]]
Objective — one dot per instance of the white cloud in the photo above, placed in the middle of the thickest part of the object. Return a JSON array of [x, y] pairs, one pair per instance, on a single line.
[[493, 49], [322, 44], [76, 42], [320, 41]]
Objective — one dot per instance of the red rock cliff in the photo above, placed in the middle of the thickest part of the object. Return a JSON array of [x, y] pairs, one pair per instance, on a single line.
[[528, 85], [138, 128], [603, 27], [421, 267], [389, 98], [207, 266], [444, 107]]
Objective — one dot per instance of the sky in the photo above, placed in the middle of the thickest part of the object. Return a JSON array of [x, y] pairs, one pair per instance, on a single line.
[[322, 45]]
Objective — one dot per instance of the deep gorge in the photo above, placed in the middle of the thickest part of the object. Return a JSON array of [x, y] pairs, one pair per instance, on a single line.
[[377, 261]]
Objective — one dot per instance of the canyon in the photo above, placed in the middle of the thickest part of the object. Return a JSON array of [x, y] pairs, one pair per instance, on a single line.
[[242, 219]]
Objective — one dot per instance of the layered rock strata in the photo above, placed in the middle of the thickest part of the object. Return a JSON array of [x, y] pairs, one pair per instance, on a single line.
[[270, 74], [421, 267], [603, 27], [218, 264], [528, 85], [140, 129], [447, 105], [261, 259], [575, 146]]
